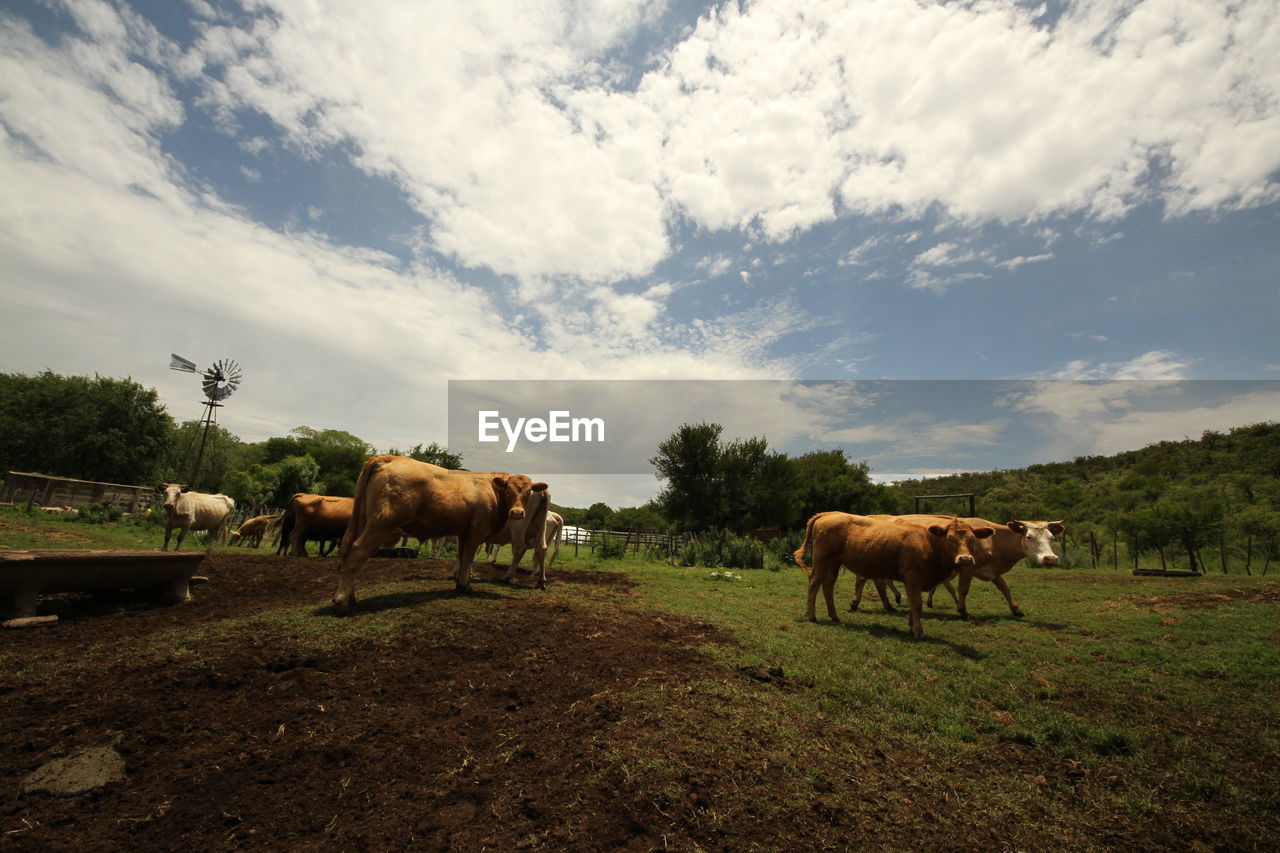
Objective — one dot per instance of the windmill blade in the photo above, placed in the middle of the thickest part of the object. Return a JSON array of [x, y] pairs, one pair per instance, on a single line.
[[177, 362], [221, 379]]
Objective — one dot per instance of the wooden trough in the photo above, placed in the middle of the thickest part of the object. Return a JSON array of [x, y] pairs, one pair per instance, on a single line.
[[27, 574], [1167, 573]]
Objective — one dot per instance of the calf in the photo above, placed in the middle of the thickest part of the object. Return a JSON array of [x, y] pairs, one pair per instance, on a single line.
[[188, 510], [253, 530], [921, 557]]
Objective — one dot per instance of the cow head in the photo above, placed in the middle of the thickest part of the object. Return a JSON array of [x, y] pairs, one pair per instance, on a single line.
[[1037, 540], [170, 492], [960, 538], [513, 493]]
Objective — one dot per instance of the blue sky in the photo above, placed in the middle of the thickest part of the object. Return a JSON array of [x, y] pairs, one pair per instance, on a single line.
[[360, 201]]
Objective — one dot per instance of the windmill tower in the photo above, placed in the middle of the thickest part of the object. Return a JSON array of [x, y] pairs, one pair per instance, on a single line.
[[218, 382]]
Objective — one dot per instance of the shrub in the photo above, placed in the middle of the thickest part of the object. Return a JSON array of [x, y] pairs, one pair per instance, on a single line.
[[722, 551], [611, 548]]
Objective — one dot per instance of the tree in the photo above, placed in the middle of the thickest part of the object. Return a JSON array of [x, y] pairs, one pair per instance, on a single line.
[[688, 461], [110, 430], [433, 453], [221, 450], [827, 480]]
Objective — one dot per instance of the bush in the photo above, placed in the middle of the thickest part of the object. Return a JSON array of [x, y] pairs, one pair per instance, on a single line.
[[611, 548], [723, 551], [101, 514]]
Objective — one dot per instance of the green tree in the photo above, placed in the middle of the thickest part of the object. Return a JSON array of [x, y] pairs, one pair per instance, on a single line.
[[827, 480], [111, 430], [433, 453], [688, 461]]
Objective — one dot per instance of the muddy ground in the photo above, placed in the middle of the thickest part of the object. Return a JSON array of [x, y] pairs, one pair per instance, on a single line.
[[539, 721]]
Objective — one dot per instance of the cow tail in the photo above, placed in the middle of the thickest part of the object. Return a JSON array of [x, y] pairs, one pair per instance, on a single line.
[[799, 554], [359, 509]]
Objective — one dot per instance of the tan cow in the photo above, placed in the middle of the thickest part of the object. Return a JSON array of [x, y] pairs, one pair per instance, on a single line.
[[253, 530], [993, 557], [320, 517], [921, 557], [396, 493], [188, 510]]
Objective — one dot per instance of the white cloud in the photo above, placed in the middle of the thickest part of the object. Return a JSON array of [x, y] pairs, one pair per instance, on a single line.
[[922, 437], [502, 124], [1156, 364]]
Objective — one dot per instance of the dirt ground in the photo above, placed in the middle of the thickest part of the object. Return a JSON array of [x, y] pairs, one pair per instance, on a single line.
[[477, 742]]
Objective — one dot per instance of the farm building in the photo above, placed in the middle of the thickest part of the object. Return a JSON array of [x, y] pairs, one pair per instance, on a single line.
[[46, 490]]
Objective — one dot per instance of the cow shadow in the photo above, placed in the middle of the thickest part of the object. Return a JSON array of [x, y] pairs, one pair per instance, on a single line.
[[399, 600], [874, 629]]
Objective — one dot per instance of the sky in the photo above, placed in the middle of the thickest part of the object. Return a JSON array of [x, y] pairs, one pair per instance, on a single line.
[[361, 201]]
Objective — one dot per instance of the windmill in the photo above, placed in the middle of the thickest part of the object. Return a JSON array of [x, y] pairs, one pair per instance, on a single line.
[[218, 381]]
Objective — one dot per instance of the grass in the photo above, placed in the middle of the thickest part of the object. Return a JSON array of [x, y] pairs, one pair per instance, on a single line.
[[1117, 699]]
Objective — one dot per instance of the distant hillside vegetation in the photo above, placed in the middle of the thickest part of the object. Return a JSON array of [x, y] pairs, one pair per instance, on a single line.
[[1212, 502]]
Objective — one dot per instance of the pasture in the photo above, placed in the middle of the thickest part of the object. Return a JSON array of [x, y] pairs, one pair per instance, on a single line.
[[632, 705]]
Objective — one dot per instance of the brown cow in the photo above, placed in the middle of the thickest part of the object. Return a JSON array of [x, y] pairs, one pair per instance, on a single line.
[[993, 557], [396, 493], [921, 557], [317, 517], [253, 530]]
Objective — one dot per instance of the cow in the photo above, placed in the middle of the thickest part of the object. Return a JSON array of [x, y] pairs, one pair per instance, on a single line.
[[993, 557], [284, 536], [188, 510], [920, 556], [397, 494], [520, 533], [253, 530], [322, 517]]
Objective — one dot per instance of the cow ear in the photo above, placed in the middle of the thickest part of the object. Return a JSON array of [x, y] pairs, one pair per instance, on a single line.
[[539, 487], [500, 483], [1016, 526], [186, 489], [160, 488], [1057, 528], [984, 532], [937, 530]]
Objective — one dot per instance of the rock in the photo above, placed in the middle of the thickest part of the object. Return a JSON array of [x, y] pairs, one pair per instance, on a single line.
[[84, 771]]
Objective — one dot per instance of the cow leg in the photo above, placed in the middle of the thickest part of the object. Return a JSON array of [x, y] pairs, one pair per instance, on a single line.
[[914, 599], [962, 593], [517, 554], [349, 564], [829, 592], [298, 543], [540, 568], [884, 599], [167, 530], [857, 593], [1003, 586], [821, 576], [182, 534], [467, 549]]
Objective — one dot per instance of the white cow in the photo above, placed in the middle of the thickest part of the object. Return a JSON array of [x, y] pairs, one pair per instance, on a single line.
[[188, 510], [521, 537]]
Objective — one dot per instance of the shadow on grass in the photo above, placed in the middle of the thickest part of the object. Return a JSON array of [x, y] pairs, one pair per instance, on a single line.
[[396, 600], [904, 633]]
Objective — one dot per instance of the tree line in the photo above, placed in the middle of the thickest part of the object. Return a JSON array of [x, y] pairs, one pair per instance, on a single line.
[[1201, 502], [117, 431]]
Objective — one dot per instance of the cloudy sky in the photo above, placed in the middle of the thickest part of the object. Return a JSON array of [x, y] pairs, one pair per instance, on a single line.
[[360, 200]]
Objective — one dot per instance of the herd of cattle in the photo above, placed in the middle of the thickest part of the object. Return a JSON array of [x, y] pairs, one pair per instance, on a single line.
[[397, 498]]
